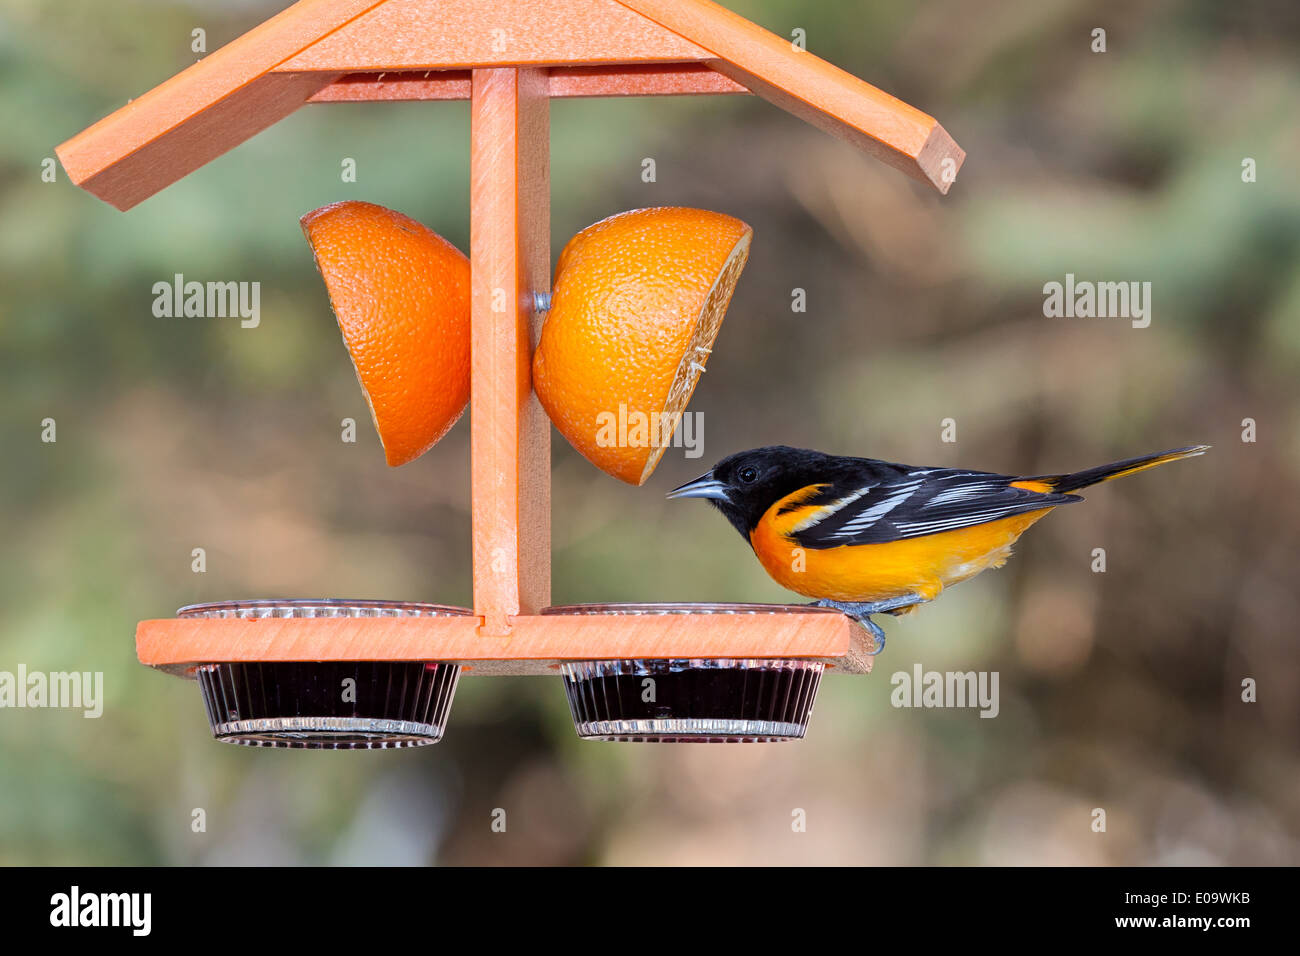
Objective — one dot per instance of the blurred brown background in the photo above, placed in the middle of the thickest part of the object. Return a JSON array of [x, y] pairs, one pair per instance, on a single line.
[[1119, 690]]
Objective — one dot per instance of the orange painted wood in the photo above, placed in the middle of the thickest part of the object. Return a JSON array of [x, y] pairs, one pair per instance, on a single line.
[[816, 91], [450, 34], [653, 79], [390, 86], [205, 110], [172, 156], [267, 73], [656, 79], [510, 258], [534, 642]]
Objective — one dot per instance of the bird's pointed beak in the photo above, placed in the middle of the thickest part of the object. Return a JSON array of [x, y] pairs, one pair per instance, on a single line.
[[705, 486]]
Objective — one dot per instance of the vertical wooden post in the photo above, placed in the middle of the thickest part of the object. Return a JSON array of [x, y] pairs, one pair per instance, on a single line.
[[510, 259]]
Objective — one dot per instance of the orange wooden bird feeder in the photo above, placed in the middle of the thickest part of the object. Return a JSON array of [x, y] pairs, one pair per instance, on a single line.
[[509, 58]]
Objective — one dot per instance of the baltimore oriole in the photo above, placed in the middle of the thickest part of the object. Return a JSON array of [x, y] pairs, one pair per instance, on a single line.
[[867, 536]]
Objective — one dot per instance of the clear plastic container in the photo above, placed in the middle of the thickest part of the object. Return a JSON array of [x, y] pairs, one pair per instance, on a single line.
[[705, 700], [327, 704]]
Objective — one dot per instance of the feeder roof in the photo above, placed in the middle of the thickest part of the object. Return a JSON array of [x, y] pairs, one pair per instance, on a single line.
[[357, 50]]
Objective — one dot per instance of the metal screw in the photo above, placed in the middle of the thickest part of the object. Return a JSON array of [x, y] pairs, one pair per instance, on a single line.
[[541, 302]]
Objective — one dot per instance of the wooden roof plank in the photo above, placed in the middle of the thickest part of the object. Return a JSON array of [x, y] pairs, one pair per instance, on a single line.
[[464, 34], [812, 89], [173, 154], [297, 55], [164, 135]]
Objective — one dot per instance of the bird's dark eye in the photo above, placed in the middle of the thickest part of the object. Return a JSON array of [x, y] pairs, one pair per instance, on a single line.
[[748, 474]]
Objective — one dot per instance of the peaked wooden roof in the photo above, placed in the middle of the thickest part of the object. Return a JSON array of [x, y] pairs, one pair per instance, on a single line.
[[351, 50]]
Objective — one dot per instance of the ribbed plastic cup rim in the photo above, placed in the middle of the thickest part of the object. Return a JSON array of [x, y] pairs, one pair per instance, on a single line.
[[689, 730], [682, 607], [649, 666], [327, 733], [318, 607]]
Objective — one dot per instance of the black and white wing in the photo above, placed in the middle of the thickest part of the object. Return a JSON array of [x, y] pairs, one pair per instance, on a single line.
[[912, 504]]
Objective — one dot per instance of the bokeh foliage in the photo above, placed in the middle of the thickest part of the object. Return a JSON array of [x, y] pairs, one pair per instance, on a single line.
[[1119, 690]]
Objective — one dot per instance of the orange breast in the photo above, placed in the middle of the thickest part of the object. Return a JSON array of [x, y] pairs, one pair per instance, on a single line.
[[875, 572]]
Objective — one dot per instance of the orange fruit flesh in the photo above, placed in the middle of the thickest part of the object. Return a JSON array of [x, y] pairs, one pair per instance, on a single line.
[[638, 302], [401, 295]]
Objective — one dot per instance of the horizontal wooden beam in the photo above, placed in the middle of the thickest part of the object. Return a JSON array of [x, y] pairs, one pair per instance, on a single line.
[[657, 79], [535, 645]]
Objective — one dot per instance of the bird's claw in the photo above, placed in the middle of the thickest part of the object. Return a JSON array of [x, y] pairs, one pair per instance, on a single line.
[[876, 631], [862, 611]]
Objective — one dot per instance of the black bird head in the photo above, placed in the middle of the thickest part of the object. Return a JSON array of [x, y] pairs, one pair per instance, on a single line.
[[745, 485]]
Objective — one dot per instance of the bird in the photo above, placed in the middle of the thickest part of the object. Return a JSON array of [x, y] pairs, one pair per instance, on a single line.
[[865, 536]]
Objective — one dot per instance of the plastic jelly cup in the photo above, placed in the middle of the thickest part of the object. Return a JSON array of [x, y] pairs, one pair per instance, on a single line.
[[330, 705], [704, 700]]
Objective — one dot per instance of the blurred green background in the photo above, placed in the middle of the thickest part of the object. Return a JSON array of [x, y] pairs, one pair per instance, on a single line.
[[1119, 690]]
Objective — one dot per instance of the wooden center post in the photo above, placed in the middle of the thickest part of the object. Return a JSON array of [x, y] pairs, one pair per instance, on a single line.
[[510, 440]]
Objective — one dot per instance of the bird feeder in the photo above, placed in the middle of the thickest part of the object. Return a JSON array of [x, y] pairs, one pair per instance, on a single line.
[[271, 671]]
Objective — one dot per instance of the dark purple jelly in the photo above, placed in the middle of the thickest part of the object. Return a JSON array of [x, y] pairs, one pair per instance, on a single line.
[[329, 704], [714, 701]]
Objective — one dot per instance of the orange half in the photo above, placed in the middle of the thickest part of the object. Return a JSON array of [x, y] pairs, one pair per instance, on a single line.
[[401, 295], [637, 303]]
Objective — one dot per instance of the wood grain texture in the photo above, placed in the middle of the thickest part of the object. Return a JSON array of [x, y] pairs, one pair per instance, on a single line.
[[387, 85], [812, 89], [653, 79], [510, 258], [450, 34], [535, 642], [656, 79], [205, 110]]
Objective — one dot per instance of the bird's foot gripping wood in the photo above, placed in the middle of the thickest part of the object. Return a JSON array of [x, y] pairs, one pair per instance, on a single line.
[[861, 612]]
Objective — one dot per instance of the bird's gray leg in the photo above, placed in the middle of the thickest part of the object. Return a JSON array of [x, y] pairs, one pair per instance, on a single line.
[[862, 611]]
